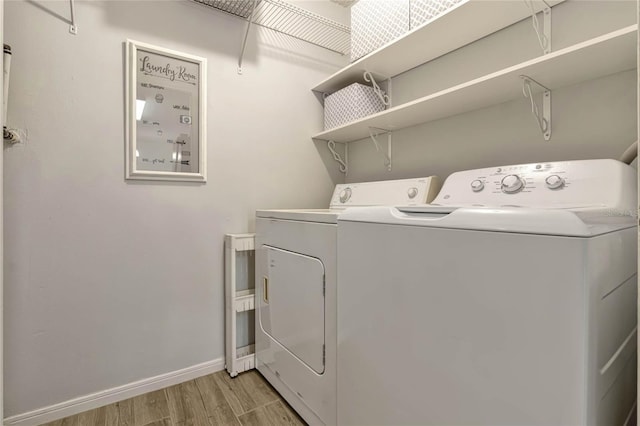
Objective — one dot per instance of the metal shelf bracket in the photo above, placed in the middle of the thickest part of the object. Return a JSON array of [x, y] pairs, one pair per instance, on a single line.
[[73, 27], [246, 36], [544, 120], [547, 30], [343, 164], [544, 34], [384, 98], [374, 136]]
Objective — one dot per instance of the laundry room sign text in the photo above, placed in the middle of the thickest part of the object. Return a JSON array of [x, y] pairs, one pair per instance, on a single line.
[[166, 70]]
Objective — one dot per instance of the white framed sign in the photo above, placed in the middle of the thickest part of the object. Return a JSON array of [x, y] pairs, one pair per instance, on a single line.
[[165, 114]]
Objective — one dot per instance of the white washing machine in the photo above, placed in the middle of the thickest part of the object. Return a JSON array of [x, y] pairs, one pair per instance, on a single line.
[[513, 301], [296, 264]]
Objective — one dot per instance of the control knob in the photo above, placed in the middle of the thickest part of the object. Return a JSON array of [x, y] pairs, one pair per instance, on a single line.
[[512, 184], [477, 185], [554, 182], [412, 192], [345, 194]]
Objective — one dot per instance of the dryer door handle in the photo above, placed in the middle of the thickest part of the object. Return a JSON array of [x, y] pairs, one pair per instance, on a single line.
[[265, 289]]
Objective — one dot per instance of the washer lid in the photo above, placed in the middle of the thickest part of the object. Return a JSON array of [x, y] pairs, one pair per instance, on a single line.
[[308, 215], [503, 219]]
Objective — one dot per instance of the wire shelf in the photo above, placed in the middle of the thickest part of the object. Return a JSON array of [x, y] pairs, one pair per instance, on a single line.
[[240, 8], [286, 18]]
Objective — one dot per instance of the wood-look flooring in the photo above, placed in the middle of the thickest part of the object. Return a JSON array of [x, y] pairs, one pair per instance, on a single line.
[[216, 399]]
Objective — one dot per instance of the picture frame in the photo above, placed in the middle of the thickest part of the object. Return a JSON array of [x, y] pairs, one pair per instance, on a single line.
[[165, 114]]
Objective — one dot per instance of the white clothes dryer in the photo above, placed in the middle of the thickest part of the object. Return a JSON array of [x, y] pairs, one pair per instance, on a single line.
[[296, 265], [511, 300]]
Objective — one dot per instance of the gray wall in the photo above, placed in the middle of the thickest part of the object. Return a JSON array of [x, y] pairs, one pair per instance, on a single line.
[[595, 119], [108, 281]]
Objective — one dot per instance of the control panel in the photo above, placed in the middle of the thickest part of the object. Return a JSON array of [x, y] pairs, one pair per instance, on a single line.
[[565, 184], [390, 192]]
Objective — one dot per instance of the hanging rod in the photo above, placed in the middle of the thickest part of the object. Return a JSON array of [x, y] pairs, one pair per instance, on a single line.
[[280, 16]]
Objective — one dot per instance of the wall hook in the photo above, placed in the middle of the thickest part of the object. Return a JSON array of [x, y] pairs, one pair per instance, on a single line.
[[11, 136], [544, 119], [373, 136]]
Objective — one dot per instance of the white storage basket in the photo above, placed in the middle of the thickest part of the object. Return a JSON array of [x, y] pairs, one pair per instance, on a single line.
[[349, 104], [425, 10], [375, 23]]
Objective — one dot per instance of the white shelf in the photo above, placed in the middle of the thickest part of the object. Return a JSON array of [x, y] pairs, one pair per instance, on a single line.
[[245, 358], [472, 20], [601, 56], [240, 242], [245, 300]]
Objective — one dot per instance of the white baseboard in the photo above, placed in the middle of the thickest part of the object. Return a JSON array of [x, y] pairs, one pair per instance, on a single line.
[[99, 399]]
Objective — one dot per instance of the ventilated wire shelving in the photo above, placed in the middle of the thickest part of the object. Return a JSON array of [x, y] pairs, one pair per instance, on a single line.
[[286, 18], [240, 8]]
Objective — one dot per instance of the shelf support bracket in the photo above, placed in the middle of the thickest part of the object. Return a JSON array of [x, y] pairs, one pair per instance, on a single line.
[[544, 119], [73, 28], [246, 36], [546, 13], [342, 164], [544, 34], [374, 138], [384, 98]]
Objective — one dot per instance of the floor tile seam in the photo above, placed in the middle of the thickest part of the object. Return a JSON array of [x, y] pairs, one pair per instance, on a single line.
[[204, 406], [278, 398], [224, 395], [260, 406], [166, 395], [234, 415], [161, 420], [239, 400], [168, 405], [221, 392], [182, 397]]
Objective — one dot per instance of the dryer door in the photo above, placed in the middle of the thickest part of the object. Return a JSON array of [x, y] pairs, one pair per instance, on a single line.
[[292, 304]]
